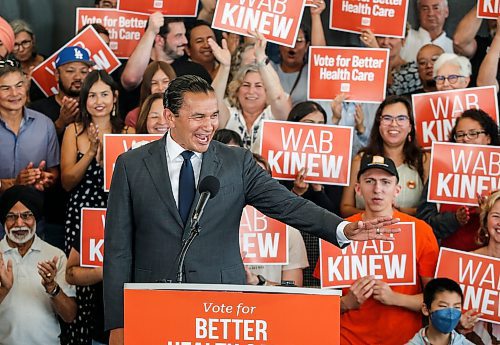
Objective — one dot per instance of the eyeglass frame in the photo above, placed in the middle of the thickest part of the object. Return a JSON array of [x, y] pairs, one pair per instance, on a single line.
[[471, 135], [440, 79], [25, 44], [26, 216], [400, 119]]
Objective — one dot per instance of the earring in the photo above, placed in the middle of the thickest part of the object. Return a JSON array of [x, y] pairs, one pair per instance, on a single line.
[[113, 112]]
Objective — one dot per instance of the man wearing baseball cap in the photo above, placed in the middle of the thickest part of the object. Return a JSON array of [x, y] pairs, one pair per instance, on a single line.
[[372, 312], [72, 66], [30, 270]]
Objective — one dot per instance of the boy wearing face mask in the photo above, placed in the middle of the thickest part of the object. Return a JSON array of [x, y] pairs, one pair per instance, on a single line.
[[443, 307]]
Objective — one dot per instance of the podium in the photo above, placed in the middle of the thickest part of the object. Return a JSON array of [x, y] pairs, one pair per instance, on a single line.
[[208, 314]]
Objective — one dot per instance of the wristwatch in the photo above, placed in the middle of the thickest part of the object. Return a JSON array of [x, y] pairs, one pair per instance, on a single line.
[[262, 280]]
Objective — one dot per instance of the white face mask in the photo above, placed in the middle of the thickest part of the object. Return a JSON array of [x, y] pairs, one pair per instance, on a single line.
[[21, 234]]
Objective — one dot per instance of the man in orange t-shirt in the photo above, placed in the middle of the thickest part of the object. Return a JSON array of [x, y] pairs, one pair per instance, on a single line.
[[372, 312]]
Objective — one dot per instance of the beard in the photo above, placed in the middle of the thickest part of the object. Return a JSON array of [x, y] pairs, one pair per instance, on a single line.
[[171, 53], [68, 91], [14, 235]]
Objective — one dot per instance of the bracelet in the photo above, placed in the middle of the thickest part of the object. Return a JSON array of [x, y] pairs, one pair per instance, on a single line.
[[263, 62], [55, 292]]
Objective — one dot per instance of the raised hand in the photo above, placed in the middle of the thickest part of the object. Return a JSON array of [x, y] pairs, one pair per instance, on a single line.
[[374, 229], [48, 271], [317, 8], [6, 276], [29, 175], [368, 38], [222, 54], [69, 110]]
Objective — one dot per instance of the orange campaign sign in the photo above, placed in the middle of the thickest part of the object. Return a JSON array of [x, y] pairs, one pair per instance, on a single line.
[[125, 28], [263, 239], [478, 276], [382, 17], [89, 39], [277, 20], [359, 73], [92, 236], [436, 112], [169, 8], [391, 261], [459, 172], [324, 150], [116, 144], [488, 9], [237, 315]]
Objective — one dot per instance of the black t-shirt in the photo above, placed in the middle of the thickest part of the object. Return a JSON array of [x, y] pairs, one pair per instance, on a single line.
[[47, 106], [183, 66]]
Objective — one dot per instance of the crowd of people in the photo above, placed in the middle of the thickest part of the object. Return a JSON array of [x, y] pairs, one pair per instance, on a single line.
[[51, 149]]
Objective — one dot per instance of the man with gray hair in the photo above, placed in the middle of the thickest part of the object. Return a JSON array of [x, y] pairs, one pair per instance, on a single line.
[[432, 14]]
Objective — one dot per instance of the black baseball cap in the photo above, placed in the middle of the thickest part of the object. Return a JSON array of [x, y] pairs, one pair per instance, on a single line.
[[378, 162]]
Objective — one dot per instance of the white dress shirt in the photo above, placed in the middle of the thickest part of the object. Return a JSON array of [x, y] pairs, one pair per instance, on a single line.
[[416, 39], [174, 164]]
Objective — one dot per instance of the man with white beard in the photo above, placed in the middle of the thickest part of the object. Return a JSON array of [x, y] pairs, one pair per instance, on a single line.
[[29, 306]]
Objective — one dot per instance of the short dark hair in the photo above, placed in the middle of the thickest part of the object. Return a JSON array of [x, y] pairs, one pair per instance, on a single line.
[[440, 285], [225, 136], [174, 95], [100, 29], [194, 25], [302, 109], [485, 120], [165, 29]]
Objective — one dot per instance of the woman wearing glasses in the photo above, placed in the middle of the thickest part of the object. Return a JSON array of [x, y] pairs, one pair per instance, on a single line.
[[393, 136], [455, 226], [452, 72]]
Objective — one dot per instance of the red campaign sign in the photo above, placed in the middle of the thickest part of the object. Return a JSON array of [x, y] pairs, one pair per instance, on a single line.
[[436, 112], [125, 28], [92, 224], [116, 144], [383, 18], [263, 239], [277, 20], [324, 150], [169, 8], [359, 73], [478, 276], [391, 261], [488, 9], [89, 39], [459, 172]]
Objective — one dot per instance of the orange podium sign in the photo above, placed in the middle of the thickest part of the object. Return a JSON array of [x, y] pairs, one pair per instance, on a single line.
[[193, 314], [116, 144], [393, 262], [478, 278], [324, 150], [459, 172]]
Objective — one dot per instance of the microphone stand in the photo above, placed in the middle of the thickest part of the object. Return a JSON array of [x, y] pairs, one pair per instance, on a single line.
[[193, 233]]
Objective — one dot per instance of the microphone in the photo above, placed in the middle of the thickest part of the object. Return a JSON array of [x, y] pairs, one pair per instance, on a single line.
[[208, 188]]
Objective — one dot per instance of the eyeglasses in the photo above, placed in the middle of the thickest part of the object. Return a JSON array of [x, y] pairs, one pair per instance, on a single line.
[[25, 44], [12, 217], [452, 78], [470, 135], [9, 62], [388, 119]]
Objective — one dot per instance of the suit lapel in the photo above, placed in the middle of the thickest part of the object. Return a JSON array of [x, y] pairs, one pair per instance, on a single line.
[[156, 164], [209, 167]]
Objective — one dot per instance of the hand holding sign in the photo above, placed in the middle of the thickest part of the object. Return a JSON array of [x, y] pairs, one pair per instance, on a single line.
[[383, 293], [317, 7], [368, 38], [359, 292], [373, 229], [156, 21]]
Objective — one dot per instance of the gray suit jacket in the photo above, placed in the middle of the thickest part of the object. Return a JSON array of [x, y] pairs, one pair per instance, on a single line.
[[144, 231]]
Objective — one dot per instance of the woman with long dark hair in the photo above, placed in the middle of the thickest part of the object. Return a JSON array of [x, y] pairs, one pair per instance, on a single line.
[[393, 136], [82, 175]]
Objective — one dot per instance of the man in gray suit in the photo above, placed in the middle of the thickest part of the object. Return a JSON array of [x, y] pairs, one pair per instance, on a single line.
[[147, 219]]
